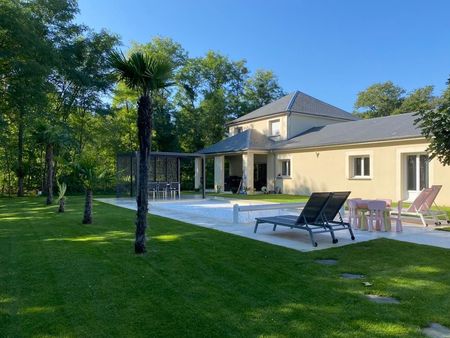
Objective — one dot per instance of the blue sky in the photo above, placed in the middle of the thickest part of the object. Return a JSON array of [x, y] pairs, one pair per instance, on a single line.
[[329, 49]]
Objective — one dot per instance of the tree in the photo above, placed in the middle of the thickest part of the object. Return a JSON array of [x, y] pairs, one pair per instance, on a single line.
[[380, 99], [261, 89], [418, 100], [145, 74], [435, 125]]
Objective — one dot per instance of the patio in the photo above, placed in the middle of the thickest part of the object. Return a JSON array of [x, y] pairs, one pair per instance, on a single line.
[[217, 213]]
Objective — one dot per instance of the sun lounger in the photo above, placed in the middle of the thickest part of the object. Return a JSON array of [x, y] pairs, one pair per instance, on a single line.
[[332, 216], [316, 216], [421, 207]]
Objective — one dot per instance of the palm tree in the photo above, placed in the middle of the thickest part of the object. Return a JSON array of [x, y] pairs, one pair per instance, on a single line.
[[146, 74], [90, 176]]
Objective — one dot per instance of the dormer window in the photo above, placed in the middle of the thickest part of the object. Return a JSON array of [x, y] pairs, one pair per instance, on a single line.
[[237, 130], [274, 127]]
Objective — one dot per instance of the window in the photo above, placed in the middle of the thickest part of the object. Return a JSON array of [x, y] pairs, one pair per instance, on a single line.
[[286, 168], [361, 166], [274, 128], [237, 130]]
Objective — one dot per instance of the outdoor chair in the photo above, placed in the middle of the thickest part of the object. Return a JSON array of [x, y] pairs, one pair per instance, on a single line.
[[353, 218], [397, 217], [377, 210], [162, 189], [316, 217], [174, 189], [421, 207], [153, 189], [332, 214]]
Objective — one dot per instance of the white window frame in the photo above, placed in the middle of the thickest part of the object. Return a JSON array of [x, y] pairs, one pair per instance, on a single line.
[[271, 122], [362, 175], [238, 130], [289, 167], [350, 162]]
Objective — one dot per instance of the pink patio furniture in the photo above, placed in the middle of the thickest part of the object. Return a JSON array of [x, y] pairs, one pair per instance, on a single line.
[[353, 218], [377, 210], [397, 217], [421, 207]]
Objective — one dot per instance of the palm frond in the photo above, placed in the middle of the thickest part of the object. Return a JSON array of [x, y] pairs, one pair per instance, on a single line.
[[143, 72]]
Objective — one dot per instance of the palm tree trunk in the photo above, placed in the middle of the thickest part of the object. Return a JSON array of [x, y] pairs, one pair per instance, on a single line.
[[62, 205], [87, 218], [49, 165], [144, 124]]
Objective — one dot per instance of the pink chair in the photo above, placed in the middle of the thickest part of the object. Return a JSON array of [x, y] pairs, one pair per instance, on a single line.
[[397, 218], [376, 213], [353, 218]]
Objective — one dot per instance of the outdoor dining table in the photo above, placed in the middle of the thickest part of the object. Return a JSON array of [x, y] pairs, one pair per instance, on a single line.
[[362, 208]]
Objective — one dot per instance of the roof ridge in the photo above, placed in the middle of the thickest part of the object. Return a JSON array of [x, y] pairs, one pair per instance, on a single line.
[[291, 102]]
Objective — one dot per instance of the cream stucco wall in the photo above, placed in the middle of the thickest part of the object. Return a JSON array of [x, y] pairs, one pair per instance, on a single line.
[[327, 169], [263, 126]]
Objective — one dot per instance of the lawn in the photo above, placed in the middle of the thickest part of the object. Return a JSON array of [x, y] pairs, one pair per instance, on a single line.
[[59, 278]]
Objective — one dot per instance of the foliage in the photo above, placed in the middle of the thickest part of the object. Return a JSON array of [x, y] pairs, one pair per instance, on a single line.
[[91, 173], [380, 99], [384, 99], [52, 275], [435, 125], [62, 188]]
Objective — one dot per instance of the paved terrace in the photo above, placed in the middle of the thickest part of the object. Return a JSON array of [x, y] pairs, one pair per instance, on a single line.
[[218, 214]]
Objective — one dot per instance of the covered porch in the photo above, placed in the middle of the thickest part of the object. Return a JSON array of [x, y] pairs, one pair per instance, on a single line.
[[250, 172]]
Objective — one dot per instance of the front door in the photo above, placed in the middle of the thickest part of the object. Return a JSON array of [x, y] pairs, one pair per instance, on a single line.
[[416, 175], [260, 176]]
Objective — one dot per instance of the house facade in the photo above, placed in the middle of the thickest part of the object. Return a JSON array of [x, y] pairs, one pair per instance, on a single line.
[[299, 144]]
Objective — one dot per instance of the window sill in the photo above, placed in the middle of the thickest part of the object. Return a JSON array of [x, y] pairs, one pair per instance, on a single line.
[[361, 178], [284, 177]]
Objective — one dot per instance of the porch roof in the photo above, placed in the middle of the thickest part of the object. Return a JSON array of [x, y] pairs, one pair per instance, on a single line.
[[249, 139]]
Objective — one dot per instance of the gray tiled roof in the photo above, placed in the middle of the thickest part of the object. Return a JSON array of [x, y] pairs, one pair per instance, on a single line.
[[377, 129], [249, 139], [297, 102]]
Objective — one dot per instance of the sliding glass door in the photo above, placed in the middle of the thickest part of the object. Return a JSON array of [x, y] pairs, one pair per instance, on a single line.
[[416, 174]]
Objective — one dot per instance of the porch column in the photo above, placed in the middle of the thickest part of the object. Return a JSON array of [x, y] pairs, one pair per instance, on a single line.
[[247, 171], [219, 168], [198, 173]]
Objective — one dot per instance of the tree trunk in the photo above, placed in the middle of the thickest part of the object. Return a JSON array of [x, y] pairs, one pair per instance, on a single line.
[[20, 168], [144, 124], [49, 165], [87, 219], [62, 205]]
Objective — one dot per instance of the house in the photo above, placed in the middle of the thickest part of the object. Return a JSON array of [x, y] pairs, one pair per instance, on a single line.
[[299, 144]]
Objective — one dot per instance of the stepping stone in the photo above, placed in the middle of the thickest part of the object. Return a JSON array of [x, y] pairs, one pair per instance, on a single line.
[[382, 300], [351, 276], [436, 330], [367, 284], [326, 261]]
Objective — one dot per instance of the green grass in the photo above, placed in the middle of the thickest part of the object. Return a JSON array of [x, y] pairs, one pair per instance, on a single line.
[[277, 198], [443, 229], [59, 278]]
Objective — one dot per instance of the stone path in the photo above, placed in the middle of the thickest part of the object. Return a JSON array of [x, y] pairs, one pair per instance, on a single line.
[[351, 276], [382, 300], [436, 331]]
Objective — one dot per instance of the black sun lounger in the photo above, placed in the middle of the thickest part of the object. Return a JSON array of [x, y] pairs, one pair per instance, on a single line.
[[332, 211], [310, 219]]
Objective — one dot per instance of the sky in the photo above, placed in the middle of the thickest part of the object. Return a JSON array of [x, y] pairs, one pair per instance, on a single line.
[[329, 49]]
